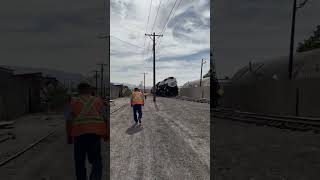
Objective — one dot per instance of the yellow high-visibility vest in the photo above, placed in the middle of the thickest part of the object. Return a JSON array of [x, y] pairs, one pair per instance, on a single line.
[[87, 117], [137, 98]]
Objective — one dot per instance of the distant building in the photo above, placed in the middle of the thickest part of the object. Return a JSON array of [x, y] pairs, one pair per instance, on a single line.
[[22, 93]]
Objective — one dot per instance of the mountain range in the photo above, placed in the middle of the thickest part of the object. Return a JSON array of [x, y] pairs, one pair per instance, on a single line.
[[66, 78]]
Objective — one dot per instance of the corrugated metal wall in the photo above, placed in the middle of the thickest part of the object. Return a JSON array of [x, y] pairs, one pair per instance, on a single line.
[[14, 97], [114, 92], [275, 97], [195, 92]]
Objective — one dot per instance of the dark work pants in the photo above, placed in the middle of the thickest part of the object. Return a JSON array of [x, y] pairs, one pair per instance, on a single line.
[[137, 108], [88, 145]]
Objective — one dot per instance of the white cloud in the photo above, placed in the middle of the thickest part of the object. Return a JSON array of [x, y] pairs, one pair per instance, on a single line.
[[187, 34]]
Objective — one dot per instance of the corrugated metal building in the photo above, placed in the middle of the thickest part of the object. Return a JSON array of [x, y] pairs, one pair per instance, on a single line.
[[264, 87]]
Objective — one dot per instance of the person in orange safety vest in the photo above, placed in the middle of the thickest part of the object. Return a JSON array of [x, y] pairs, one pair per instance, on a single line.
[[86, 124], [137, 101]]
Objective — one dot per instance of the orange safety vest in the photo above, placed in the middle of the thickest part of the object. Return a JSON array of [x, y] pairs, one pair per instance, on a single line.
[[87, 116], [137, 98]]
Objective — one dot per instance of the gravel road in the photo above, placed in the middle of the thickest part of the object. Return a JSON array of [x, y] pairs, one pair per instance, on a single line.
[[51, 159], [249, 152], [173, 143]]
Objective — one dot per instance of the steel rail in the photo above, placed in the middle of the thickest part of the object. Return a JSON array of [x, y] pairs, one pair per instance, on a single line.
[[272, 120], [118, 109], [23, 150]]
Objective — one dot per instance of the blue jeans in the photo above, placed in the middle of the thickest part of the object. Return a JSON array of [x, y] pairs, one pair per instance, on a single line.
[[137, 108], [88, 145]]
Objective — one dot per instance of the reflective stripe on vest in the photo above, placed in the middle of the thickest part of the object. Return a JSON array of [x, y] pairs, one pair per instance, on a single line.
[[87, 118], [137, 98], [88, 112]]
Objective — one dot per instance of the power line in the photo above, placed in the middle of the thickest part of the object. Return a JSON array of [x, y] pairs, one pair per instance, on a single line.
[[169, 18], [144, 42], [115, 51], [147, 22], [127, 42], [155, 20]]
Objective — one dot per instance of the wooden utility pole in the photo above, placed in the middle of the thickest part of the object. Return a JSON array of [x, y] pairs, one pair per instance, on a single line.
[[201, 71], [292, 38], [202, 62], [96, 77], [293, 24], [105, 36], [144, 84], [154, 63], [102, 93]]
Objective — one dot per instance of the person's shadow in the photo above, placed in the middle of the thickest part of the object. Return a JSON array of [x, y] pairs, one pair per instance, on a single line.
[[132, 130]]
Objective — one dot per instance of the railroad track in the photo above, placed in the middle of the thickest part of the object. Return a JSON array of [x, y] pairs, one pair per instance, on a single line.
[[285, 122], [192, 100], [25, 149], [117, 109]]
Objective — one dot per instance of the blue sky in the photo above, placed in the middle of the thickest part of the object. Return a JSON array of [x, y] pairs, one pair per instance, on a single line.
[[179, 52]]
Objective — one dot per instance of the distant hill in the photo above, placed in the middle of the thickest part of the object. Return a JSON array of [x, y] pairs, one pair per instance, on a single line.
[[62, 76]]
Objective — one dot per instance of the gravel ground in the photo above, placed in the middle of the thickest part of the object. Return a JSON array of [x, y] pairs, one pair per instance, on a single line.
[[27, 129], [173, 143], [52, 159], [249, 152]]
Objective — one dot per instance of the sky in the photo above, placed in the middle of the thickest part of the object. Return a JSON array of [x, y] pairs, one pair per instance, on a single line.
[[185, 41], [55, 34], [257, 30]]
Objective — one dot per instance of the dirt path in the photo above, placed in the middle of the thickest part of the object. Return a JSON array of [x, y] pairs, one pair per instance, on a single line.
[[249, 152], [173, 144], [52, 159]]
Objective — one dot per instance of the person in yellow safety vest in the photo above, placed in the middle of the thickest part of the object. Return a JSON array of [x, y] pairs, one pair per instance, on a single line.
[[137, 102], [87, 123]]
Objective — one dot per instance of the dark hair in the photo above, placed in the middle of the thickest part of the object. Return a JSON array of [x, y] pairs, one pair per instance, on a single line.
[[84, 88], [136, 89]]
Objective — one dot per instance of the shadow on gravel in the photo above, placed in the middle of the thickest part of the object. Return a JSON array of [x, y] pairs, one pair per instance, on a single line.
[[132, 130]]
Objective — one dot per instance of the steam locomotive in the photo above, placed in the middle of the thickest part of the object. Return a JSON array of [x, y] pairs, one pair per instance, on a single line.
[[167, 88]]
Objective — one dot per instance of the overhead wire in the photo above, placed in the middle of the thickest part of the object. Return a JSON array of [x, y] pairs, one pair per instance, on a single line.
[[169, 17], [126, 42], [155, 19], [168, 20], [144, 42]]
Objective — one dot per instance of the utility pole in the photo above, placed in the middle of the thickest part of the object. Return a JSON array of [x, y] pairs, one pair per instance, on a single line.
[[154, 63], [105, 36], [101, 80], [96, 77], [144, 84], [293, 23], [202, 62]]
